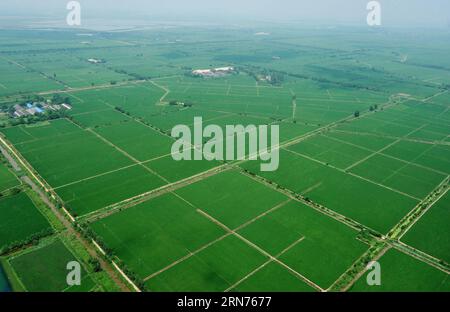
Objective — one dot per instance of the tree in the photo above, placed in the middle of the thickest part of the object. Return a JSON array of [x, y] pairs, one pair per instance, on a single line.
[[95, 264], [356, 114]]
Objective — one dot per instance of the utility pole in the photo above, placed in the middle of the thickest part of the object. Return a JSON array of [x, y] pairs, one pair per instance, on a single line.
[[294, 106]]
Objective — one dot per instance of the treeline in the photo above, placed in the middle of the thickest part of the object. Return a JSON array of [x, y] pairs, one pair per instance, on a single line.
[[44, 51], [273, 77], [133, 75], [430, 66], [110, 255], [59, 99], [306, 199], [253, 70], [32, 240], [181, 103], [121, 110], [11, 192]]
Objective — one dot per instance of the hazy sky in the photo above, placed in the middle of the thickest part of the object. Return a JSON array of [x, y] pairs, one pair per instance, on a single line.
[[394, 12]]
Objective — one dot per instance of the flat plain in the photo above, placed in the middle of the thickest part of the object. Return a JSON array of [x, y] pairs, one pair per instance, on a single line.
[[364, 156]]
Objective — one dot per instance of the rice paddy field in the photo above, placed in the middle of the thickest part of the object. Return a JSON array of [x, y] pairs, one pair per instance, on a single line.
[[364, 158], [44, 269], [7, 178], [429, 233], [20, 219], [404, 273]]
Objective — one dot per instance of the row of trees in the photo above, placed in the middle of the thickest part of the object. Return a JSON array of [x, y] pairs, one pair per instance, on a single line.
[[133, 75], [32, 119], [372, 108], [56, 99], [273, 77], [31, 240], [89, 234]]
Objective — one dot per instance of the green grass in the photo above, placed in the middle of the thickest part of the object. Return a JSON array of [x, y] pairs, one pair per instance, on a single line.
[[19, 219], [44, 269], [400, 272]]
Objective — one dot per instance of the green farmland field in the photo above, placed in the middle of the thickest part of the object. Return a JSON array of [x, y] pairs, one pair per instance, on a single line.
[[161, 231], [92, 194], [401, 272], [7, 178], [403, 176], [19, 219], [102, 117], [42, 131], [273, 277], [231, 198], [365, 202], [433, 156], [173, 170], [68, 157], [215, 268], [136, 139], [44, 269], [326, 150], [364, 155], [314, 255]]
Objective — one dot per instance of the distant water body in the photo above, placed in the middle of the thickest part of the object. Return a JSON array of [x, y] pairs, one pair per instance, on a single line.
[[4, 284]]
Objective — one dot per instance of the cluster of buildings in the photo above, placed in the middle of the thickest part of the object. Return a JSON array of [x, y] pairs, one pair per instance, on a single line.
[[95, 61], [34, 108], [214, 72]]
